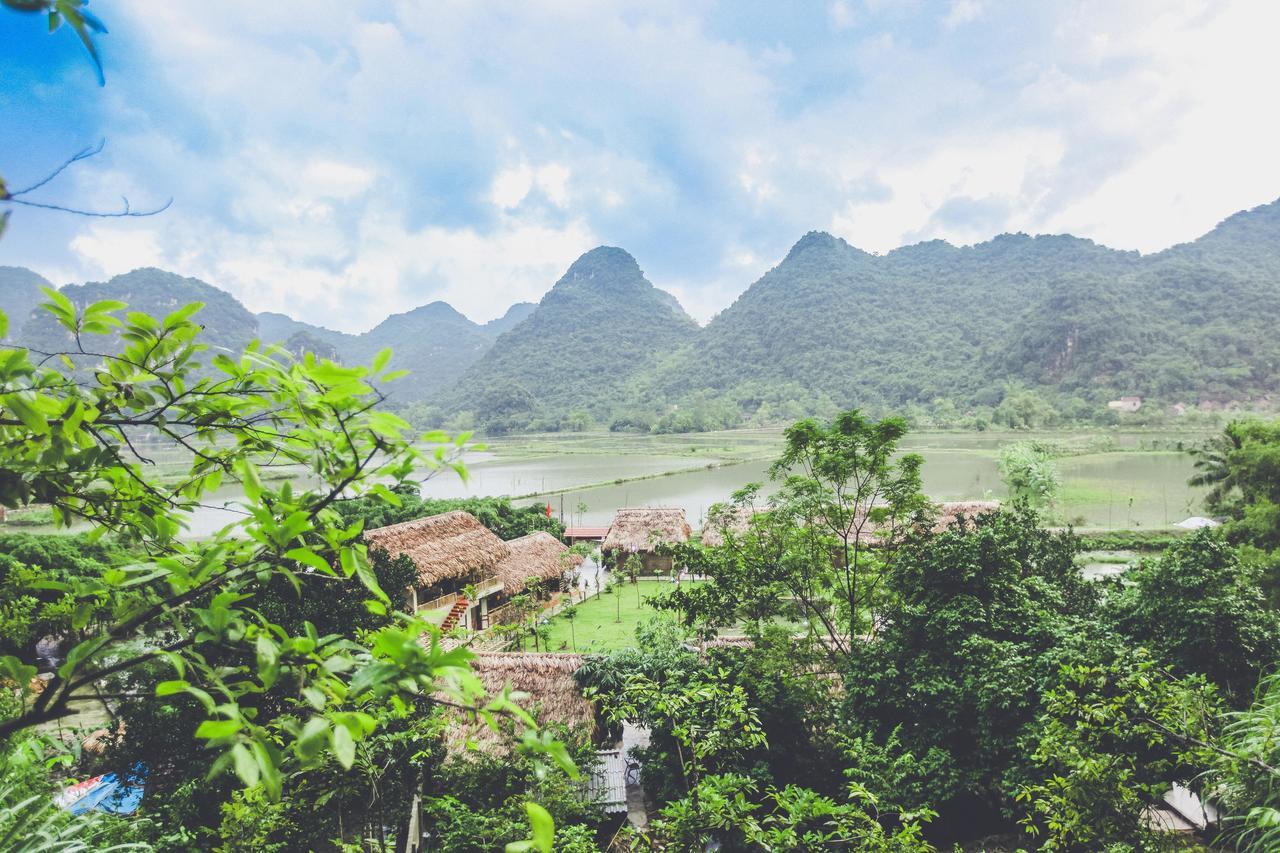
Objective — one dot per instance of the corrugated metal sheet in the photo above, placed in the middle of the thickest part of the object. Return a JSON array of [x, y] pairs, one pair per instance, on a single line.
[[608, 783]]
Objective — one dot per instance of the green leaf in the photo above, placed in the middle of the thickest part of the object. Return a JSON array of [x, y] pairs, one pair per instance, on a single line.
[[542, 829], [4, 325], [245, 765], [270, 771], [344, 747], [380, 360], [310, 558], [178, 317], [268, 660], [61, 308], [216, 729], [168, 688], [369, 579], [16, 671]]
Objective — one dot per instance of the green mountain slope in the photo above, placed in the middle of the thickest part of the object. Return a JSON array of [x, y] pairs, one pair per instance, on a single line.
[[832, 326], [599, 328], [434, 342], [227, 323], [20, 294], [515, 314]]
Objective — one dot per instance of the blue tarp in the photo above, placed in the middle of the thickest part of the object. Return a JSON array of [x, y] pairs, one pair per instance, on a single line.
[[110, 793]]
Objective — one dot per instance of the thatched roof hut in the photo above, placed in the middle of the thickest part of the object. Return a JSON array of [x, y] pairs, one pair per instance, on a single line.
[[950, 512], [450, 545], [725, 518], [553, 695], [537, 555], [639, 529]]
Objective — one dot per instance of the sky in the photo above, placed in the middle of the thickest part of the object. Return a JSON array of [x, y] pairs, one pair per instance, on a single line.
[[341, 160]]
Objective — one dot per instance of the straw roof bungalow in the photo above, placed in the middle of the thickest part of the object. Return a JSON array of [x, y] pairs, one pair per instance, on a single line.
[[639, 529], [553, 696], [725, 519], [450, 545], [537, 555], [950, 512]]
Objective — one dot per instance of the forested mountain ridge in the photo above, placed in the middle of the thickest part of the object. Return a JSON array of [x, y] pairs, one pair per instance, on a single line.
[[19, 295], [1050, 326], [434, 336], [227, 324], [575, 356], [966, 328]]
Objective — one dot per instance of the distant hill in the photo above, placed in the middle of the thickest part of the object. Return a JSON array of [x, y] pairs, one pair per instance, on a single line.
[[601, 326], [1018, 329], [434, 342], [274, 328], [227, 323], [20, 294], [514, 315], [1080, 323]]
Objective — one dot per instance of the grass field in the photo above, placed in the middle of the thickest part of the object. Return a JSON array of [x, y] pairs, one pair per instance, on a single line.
[[607, 622]]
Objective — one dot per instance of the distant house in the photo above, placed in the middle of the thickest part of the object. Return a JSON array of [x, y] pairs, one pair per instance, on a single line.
[[641, 531], [451, 551], [538, 555], [1125, 404], [580, 533]]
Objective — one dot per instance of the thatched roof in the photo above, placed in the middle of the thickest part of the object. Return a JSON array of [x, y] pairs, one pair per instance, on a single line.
[[450, 545], [639, 529], [725, 518], [951, 512], [537, 555], [553, 695]]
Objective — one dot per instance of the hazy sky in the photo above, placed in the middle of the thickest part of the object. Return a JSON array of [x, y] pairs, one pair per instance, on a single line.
[[342, 160]]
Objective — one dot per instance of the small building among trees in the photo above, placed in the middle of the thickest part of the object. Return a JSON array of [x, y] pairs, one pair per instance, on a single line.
[[538, 555], [457, 559], [1128, 405], [643, 531]]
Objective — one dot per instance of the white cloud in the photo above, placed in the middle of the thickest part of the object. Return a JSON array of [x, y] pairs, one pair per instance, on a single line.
[[510, 186], [345, 167], [962, 12]]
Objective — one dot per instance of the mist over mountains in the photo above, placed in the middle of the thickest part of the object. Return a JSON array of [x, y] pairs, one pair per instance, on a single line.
[[1018, 327]]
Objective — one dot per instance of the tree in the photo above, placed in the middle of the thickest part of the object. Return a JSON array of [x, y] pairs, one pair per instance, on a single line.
[[827, 537], [1113, 738], [842, 485], [570, 613], [1029, 473], [705, 718], [982, 618], [82, 447], [1200, 609], [632, 568]]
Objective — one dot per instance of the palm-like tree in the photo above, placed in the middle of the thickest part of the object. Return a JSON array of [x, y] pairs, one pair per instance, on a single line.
[[1213, 464]]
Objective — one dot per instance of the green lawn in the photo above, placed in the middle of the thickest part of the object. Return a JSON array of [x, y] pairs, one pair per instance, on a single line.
[[598, 627]]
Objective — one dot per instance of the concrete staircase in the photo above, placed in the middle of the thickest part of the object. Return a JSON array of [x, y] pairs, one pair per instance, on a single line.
[[455, 613]]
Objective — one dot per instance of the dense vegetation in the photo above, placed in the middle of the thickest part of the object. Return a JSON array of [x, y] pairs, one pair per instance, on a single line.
[[901, 687]]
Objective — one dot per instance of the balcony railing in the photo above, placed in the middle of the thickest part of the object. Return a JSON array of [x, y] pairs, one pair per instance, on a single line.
[[443, 602], [488, 586]]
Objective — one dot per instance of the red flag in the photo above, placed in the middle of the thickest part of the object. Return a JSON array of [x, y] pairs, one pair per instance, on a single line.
[[548, 510]]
